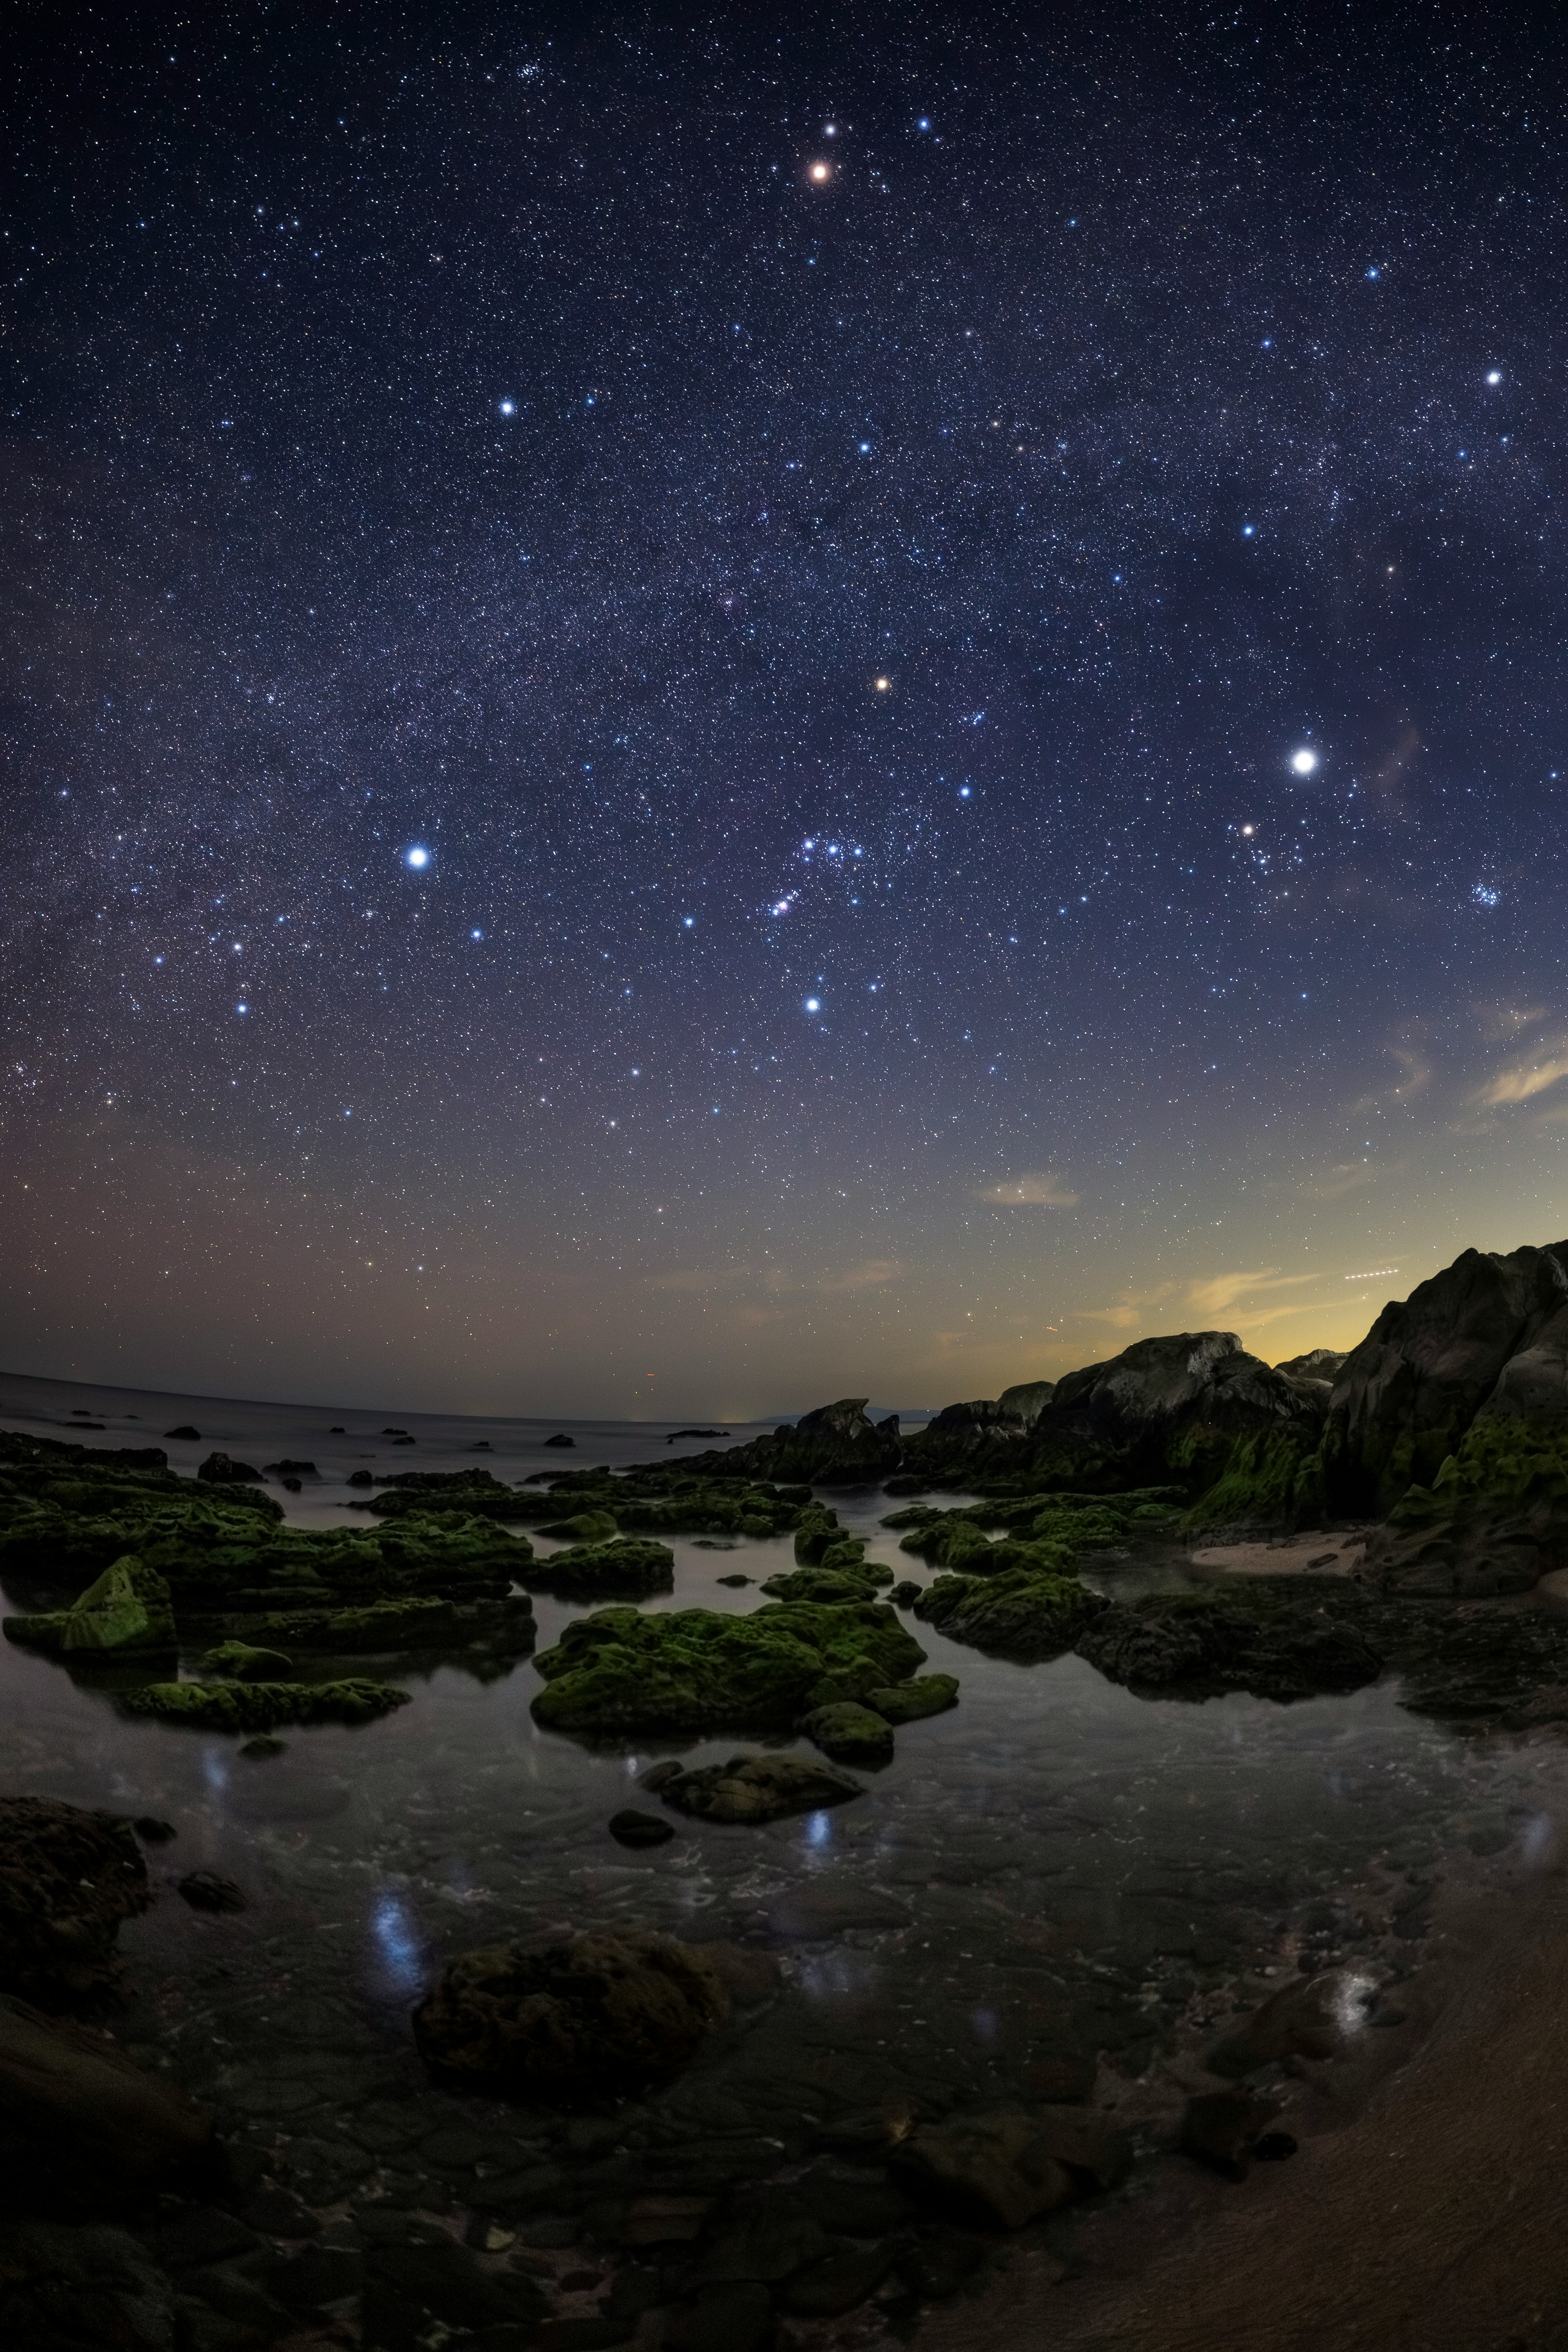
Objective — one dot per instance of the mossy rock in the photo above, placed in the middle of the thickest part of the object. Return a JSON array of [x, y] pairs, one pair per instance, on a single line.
[[257, 1707], [1272, 1478], [582, 1528], [621, 1673], [1494, 1519], [243, 1662], [595, 1571], [1262, 1640], [912, 1702], [1027, 1615], [506, 1626], [125, 1612], [816, 1531], [849, 1733], [825, 1585]]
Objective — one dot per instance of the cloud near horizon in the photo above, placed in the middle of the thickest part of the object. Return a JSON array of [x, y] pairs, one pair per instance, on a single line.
[[1040, 1191], [1526, 1078]]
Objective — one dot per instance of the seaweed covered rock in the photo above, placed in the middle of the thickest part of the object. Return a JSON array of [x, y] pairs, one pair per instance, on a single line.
[[620, 1671], [1477, 1666], [582, 1528], [912, 1702], [1027, 1613], [505, 1626], [850, 1733], [1495, 1518], [828, 1585], [257, 1707], [757, 1787], [68, 1878], [1405, 1397], [1274, 1642], [476, 1493], [597, 1572], [595, 2014], [125, 1612]]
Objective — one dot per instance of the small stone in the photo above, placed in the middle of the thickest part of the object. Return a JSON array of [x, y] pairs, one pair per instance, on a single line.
[[264, 1744], [994, 2168], [1275, 2147], [664, 2221], [631, 1828], [735, 1581], [151, 1831], [208, 1890], [277, 2212], [660, 1776], [185, 1433]]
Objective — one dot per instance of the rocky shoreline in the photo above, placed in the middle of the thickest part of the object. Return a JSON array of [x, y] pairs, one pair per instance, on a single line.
[[601, 2135]]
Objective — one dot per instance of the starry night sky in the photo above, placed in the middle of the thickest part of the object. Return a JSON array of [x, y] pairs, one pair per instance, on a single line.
[[833, 534]]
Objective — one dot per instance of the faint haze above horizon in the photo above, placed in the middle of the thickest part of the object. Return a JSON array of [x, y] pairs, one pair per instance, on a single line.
[[697, 713]]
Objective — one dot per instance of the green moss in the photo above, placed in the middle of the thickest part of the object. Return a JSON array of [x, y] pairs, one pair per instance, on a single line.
[[699, 1669], [1493, 1520], [595, 1571], [1027, 1613], [125, 1612], [912, 1702], [849, 1733], [827, 1585], [1270, 1478], [582, 1528], [257, 1707], [816, 1531]]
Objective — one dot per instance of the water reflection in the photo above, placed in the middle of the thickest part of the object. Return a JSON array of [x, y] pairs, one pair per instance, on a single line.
[[398, 1945]]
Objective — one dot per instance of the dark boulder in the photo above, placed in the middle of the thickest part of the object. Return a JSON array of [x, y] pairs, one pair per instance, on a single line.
[[631, 1827], [208, 1890], [84, 2130], [1221, 2129], [1405, 1397], [68, 1878], [592, 2015], [835, 1446], [188, 1435], [561, 1438], [1273, 1643], [218, 1470]]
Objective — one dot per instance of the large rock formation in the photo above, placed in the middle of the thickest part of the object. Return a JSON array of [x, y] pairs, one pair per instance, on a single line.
[[837, 1445], [1407, 1394], [68, 1878]]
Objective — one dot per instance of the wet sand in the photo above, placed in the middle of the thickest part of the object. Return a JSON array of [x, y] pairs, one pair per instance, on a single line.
[[1338, 1552]]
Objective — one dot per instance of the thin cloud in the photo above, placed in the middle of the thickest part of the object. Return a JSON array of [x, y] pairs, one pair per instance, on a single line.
[[1221, 1291], [1040, 1191], [1526, 1078]]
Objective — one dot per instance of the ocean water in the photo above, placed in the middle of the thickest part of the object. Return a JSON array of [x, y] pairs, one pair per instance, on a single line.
[[1055, 1871]]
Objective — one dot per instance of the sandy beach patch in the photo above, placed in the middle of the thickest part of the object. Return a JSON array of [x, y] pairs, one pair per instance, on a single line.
[[1339, 1553]]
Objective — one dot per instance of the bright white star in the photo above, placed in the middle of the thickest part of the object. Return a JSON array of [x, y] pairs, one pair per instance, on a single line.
[[1302, 762], [418, 857]]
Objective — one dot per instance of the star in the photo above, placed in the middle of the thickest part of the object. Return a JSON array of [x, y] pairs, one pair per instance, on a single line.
[[820, 172], [416, 858], [1302, 762]]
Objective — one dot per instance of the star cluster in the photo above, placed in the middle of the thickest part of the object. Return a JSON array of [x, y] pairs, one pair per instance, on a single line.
[[694, 715]]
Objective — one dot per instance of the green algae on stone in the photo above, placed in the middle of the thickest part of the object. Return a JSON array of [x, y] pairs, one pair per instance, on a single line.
[[125, 1612], [1027, 1613], [828, 1585], [1494, 1519], [582, 1528], [912, 1702], [1270, 1478], [850, 1733], [690, 1670], [595, 1571], [407, 1624], [257, 1707]]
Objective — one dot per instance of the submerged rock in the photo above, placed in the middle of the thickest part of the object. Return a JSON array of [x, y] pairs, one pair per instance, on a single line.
[[631, 1828], [186, 1432], [257, 1707], [208, 1890], [68, 1878], [757, 1787], [595, 1571], [995, 2169], [574, 2019], [830, 1585], [702, 1669], [1221, 2129]]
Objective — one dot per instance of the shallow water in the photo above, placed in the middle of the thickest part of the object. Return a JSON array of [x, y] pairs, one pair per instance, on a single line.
[[1053, 1870]]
